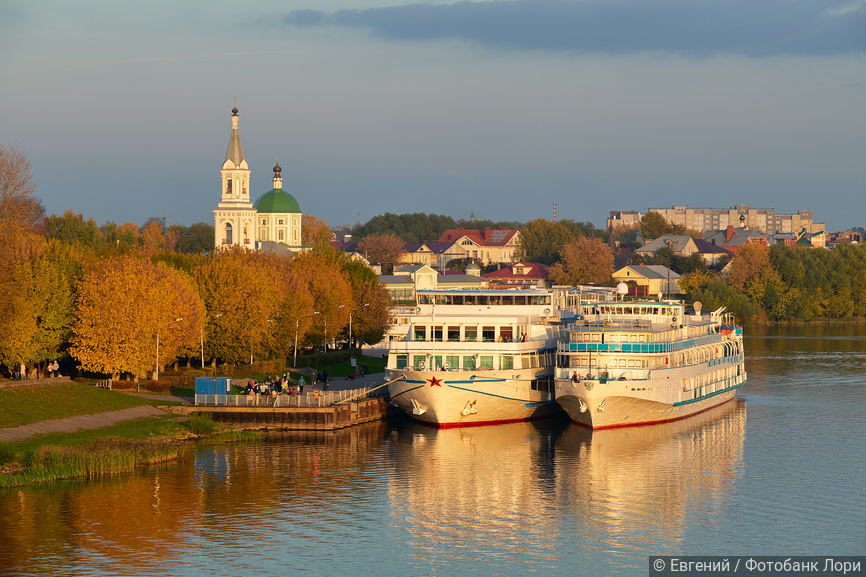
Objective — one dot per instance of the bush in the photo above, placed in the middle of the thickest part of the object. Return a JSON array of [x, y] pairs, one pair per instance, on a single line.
[[7, 455], [201, 424]]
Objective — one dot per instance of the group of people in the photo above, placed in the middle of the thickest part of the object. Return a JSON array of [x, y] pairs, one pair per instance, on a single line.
[[275, 386], [19, 370]]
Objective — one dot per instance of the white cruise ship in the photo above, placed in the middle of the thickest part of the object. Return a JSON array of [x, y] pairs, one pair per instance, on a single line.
[[639, 362], [479, 357]]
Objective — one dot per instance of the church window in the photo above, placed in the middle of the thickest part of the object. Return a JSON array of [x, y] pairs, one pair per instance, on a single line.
[[244, 187], [264, 221], [281, 234], [228, 186], [280, 222], [228, 238]]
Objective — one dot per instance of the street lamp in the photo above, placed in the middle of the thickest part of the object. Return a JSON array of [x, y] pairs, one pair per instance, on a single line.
[[295, 358], [157, 344], [350, 321], [202, 338]]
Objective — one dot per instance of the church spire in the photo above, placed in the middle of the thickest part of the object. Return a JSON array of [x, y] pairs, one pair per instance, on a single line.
[[235, 154]]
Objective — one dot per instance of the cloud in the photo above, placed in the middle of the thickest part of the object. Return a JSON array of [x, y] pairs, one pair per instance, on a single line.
[[754, 28]]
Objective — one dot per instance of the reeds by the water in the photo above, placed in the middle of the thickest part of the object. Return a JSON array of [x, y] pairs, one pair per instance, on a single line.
[[103, 457]]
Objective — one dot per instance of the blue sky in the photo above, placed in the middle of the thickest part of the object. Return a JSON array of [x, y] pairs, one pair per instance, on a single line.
[[497, 108]]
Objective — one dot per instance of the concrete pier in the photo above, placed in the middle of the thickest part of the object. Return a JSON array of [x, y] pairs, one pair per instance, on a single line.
[[295, 418]]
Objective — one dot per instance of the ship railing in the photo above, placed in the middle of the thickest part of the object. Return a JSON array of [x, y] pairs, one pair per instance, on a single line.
[[596, 374]]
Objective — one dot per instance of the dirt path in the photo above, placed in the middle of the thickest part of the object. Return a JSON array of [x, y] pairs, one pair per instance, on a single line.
[[77, 423]]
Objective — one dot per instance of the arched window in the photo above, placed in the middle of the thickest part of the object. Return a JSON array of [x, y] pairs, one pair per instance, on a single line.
[[228, 235], [281, 234], [246, 236], [228, 185]]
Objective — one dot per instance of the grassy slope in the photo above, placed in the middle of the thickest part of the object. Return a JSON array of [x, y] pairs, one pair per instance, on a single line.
[[28, 404]]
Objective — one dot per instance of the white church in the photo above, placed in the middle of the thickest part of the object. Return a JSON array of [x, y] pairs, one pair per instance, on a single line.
[[273, 222]]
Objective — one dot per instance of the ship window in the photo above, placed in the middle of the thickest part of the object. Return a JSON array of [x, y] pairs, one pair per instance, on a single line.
[[506, 361], [631, 363], [488, 334], [468, 362], [453, 333], [506, 334], [437, 362], [417, 360], [401, 361], [471, 334], [634, 338], [453, 361], [458, 299], [595, 338], [420, 333], [520, 299], [486, 361]]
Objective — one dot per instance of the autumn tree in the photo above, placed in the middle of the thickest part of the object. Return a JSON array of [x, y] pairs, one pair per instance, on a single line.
[[314, 232], [152, 238], [71, 228], [583, 261], [371, 303], [382, 249], [242, 294], [320, 275], [36, 319], [19, 208], [122, 305]]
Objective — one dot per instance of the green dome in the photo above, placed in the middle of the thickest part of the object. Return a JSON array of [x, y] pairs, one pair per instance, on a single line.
[[277, 201]]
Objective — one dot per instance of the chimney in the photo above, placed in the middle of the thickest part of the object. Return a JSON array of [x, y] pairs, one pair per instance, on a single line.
[[729, 234]]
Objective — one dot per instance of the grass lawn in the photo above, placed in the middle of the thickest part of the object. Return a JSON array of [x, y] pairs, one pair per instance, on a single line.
[[142, 428], [376, 365], [28, 404]]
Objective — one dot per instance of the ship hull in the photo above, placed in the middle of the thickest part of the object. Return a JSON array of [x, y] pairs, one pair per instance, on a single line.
[[591, 407], [447, 399]]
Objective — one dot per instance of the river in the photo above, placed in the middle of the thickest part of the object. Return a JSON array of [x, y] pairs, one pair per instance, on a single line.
[[778, 471]]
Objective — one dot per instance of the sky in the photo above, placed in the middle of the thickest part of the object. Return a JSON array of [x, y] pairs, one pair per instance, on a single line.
[[496, 108]]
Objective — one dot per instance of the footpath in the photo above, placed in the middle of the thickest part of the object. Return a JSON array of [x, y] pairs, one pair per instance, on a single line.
[[77, 423]]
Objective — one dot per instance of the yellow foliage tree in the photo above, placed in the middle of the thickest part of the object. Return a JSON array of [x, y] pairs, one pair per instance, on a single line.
[[315, 232], [122, 304]]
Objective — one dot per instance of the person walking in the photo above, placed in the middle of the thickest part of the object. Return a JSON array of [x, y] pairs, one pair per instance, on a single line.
[[22, 371], [55, 368], [301, 384]]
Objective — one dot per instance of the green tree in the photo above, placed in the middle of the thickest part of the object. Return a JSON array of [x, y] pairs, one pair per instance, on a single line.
[[541, 240], [653, 225], [72, 228], [198, 238]]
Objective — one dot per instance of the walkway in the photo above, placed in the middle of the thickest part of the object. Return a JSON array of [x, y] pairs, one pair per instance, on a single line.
[[77, 423]]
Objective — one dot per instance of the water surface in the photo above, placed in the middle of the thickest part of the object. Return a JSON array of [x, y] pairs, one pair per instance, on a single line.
[[779, 471]]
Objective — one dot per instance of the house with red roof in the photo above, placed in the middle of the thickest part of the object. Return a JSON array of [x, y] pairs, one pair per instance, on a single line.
[[520, 274], [490, 246]]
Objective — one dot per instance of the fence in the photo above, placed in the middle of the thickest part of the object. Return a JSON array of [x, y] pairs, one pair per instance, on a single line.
[[325, 398]]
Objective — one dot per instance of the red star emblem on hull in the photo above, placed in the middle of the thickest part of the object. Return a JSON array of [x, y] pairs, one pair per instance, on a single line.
[[434, 382]]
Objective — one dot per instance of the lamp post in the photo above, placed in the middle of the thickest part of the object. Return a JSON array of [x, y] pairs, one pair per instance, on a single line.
[[295, 358], [157, 344], [202, 338], [350, 321]]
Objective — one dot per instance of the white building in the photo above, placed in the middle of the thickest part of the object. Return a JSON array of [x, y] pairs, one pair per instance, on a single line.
[[274, 220]]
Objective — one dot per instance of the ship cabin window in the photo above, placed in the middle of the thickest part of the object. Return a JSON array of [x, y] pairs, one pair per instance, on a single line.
[[506, 334], [633, 338], [437, 334], [520, 299], [468, 362], [401, 361], [457, 299], [453, 361], [488, 334], [486, 361], [471, 299], [453, 334], [506, 362], [595, 337], [494, 300], [419, 361], [631, 363], [420, 333], [471, 334], [437, 362], [507, 300]]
